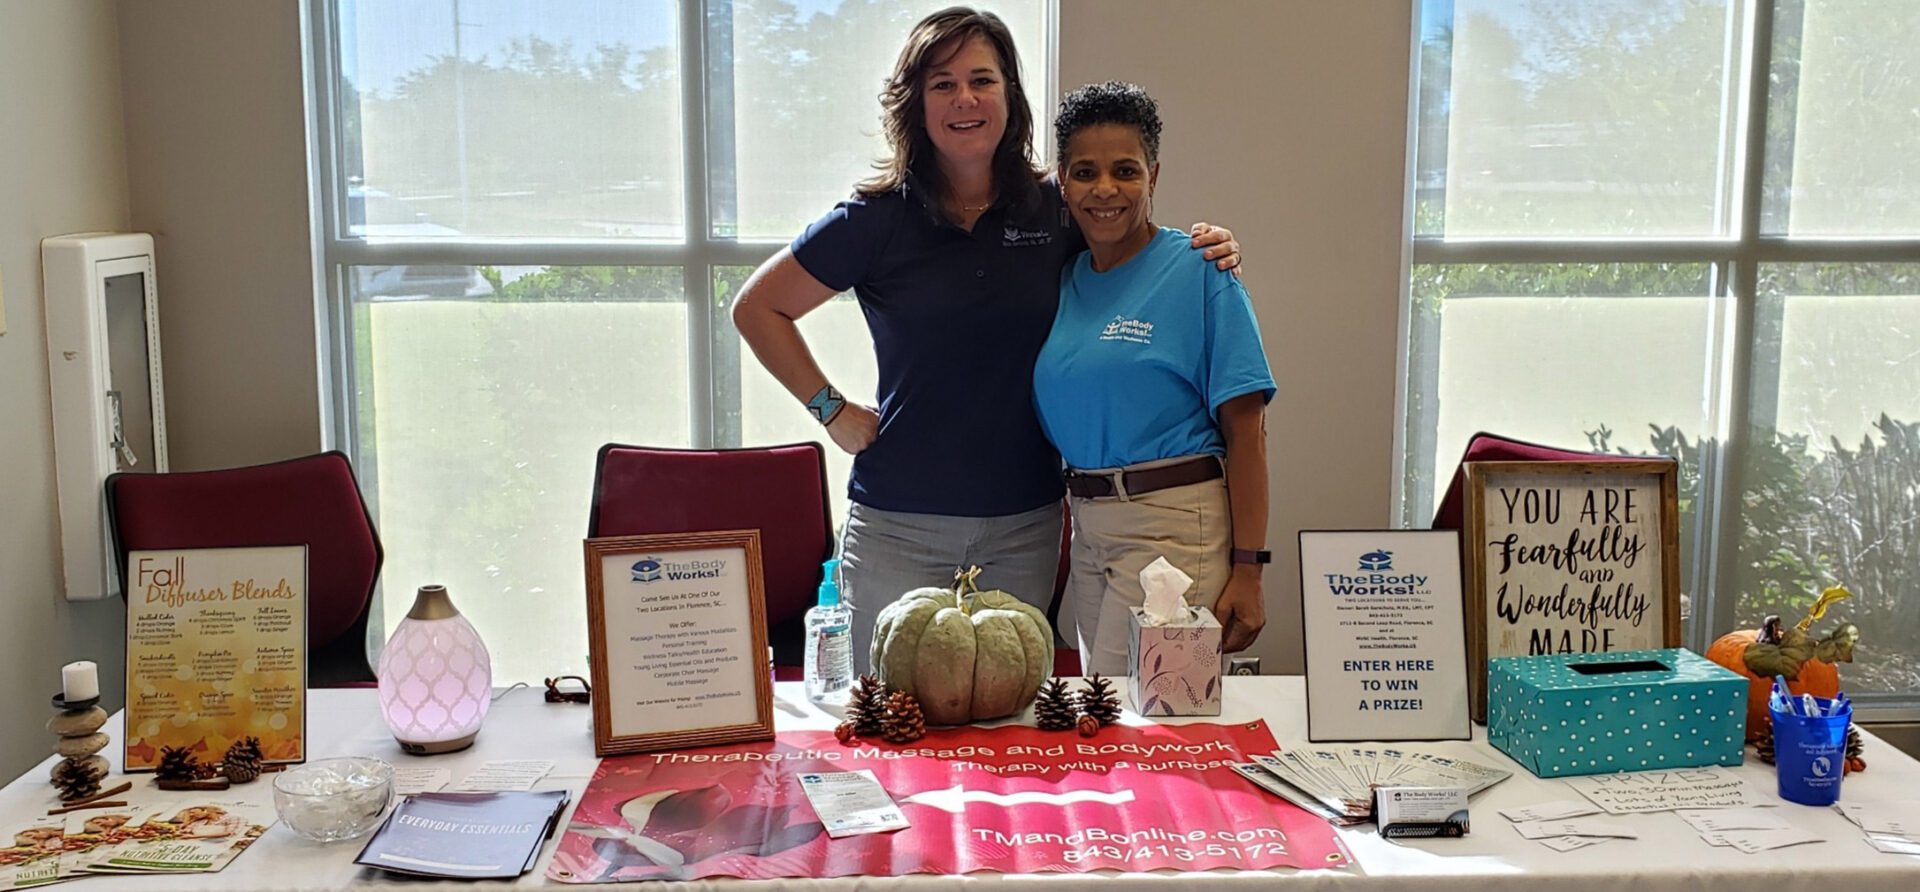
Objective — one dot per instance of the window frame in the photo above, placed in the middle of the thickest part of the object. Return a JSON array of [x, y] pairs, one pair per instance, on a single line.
[[1735, 262], [713, 382]]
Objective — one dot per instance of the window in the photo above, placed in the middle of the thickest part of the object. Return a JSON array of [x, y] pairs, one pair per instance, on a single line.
[[1692, 228], [535, 215]]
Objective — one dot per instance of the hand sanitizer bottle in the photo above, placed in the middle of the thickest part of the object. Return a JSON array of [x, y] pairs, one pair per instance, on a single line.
[[829, 657]]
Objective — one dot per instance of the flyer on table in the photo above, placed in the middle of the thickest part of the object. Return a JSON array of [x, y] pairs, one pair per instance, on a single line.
[[216, 652], [1386, 652], [679, 627]]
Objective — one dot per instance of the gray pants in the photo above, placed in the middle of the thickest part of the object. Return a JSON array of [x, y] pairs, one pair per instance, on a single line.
[[885, 554]]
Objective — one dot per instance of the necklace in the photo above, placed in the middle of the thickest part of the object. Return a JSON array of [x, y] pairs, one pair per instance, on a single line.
[[970, 208]]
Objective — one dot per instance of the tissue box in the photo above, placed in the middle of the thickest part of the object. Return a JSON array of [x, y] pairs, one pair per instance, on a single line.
[[1174, 669], [1566, 714]]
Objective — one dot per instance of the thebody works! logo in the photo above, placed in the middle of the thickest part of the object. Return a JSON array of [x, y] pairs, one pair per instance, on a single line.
[[653, 569], [1137, 331], [1376, 578]]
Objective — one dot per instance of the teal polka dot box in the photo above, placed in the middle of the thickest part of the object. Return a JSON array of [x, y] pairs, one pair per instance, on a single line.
[[1563, 714]]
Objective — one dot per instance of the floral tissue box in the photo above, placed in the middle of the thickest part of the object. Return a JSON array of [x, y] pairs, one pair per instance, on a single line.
[[1174, 669]]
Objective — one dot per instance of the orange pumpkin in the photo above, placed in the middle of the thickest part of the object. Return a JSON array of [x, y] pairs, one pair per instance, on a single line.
[[1818, 678]]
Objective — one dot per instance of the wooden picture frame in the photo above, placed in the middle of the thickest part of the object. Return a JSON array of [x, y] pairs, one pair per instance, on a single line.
[[677, 609], [1615, 529]]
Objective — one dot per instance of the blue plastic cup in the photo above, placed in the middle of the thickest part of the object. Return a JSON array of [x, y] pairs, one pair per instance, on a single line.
[[1810, 752]]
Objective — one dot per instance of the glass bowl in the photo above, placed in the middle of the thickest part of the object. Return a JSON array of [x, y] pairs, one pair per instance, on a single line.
[[330, 800]]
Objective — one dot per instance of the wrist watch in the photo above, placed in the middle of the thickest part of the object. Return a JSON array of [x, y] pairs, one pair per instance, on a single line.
[[1252, 556]]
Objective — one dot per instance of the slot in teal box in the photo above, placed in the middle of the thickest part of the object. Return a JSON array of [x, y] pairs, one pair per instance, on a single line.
[[1566, 714]]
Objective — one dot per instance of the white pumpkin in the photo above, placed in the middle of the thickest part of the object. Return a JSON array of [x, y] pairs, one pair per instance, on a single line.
[[967, 655]]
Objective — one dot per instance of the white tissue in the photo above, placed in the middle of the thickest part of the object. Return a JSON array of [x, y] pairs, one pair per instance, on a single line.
[[1166, 589]]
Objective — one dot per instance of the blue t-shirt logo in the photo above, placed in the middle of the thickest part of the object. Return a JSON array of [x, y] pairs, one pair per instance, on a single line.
[[1124, 329]]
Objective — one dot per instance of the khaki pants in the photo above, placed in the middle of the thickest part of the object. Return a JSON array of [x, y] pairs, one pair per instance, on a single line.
[[1114, 538]]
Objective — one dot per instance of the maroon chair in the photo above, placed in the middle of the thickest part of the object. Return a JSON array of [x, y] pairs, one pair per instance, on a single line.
[[1451, 514], [779, 490], [312, 501]]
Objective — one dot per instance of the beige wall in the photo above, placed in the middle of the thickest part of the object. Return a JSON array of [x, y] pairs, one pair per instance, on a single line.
[[1287, 122], [215, 117], [63, 169]]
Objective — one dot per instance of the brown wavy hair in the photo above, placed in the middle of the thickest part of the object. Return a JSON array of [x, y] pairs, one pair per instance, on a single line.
[[903, 113]]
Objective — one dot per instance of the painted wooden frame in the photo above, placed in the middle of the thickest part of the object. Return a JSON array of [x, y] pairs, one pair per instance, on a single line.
[[1499, 492], [655, 604]]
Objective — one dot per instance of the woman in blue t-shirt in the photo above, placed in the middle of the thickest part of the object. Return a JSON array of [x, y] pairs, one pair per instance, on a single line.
[[954, 251], [1152, 380]]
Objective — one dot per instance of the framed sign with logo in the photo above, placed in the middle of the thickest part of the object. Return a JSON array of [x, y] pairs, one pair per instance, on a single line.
[[677, 638], [216, 652], [1569, 557], [1381, 617]]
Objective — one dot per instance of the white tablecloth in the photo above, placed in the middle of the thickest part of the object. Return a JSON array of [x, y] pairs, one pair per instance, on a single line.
[[1669, 855]]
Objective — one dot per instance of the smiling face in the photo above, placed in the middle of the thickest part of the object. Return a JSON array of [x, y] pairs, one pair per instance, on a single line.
[[965, 102], [1108, 184]]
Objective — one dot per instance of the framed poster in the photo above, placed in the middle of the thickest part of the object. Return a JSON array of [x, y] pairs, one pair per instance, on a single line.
[[1386, 649], [216, 652], [1569, 557], [677, 635]]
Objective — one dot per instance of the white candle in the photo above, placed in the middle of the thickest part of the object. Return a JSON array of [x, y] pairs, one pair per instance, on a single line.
[[80, 681]]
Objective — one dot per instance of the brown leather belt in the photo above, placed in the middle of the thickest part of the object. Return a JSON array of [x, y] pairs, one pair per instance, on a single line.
[[1198, 469]]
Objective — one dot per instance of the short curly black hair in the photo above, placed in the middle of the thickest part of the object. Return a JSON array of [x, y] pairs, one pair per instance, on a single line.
[[1114, 102]]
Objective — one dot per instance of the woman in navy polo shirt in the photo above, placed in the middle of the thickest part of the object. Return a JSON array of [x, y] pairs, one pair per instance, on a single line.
[[1152, 379], [954, 250]]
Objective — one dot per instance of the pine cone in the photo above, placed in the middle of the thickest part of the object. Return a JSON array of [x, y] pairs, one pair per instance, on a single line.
[[76, 779], [903, 722], [1054, 709], [247, 746], [1089, 726], [1856, 748], [176, 764], [1764, 748], [1098, 699], [844, 732], [243, 761], [867, 706]]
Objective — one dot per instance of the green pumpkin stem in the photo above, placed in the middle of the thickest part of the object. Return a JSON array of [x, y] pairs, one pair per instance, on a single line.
[[964, 585]]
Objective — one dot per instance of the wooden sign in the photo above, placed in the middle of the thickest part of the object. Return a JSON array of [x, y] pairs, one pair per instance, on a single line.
[[677, 628], [216, 652], [1569, 557]]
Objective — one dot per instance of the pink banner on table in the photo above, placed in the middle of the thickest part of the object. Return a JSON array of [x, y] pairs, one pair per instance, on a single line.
[[1011, 800]]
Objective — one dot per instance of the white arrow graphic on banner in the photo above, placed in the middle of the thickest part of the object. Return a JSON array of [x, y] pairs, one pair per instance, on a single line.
[[955, 799]]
